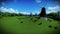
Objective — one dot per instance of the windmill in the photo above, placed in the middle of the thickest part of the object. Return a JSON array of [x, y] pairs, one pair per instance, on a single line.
[[42, 14]]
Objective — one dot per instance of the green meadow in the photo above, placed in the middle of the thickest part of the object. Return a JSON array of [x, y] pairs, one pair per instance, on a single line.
[[28, 25]]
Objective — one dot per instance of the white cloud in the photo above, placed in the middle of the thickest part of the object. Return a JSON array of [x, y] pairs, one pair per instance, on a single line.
[[25, 12], [53, 9], [11, 10], [36, 11], [38, 1]]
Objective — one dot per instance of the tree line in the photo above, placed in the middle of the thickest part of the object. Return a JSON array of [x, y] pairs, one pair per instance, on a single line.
[[55, 16]]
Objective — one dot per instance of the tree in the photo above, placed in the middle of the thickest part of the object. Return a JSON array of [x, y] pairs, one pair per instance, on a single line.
[[31, 14], [21, 14], [35, 14], [54, 16], [1, 14], [7, 14]]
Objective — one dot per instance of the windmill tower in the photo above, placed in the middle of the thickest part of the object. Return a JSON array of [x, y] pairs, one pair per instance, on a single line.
[[42, 15], [43, 12]]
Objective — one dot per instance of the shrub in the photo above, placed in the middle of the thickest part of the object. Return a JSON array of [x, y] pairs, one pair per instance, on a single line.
[[18, 18], [55, 27], [31, 18], [50, 26], [21, 21], [1, 16], [39, 23], [49, 20], [34, 20], [58, 22]]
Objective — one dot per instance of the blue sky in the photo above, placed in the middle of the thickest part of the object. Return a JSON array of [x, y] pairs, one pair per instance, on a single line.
[[27, 6]]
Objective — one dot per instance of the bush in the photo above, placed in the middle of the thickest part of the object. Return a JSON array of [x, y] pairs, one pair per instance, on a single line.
[[18, 18], [1, 16], [50, 20], [50, 26], [34, 21], [39, 23], [31, 18], [55, 27], [21, 21]]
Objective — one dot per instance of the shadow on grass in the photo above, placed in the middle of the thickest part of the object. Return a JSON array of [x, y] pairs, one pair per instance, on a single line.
[[2, 31], [57, 31]]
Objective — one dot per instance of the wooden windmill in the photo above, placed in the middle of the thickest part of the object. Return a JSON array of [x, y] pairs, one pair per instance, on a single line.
[[42, 14]]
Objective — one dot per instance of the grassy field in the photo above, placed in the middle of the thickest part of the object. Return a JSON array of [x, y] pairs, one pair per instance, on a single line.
[[28, 25]]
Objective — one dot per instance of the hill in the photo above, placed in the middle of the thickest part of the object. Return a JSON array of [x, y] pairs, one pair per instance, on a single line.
[[28, 25]]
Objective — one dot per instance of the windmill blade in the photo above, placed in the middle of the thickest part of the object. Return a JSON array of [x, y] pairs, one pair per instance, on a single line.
[[39, 6], [38, 2], [45, 4]]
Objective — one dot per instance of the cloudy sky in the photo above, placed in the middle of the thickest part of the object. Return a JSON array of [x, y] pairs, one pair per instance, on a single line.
[[27, 6]]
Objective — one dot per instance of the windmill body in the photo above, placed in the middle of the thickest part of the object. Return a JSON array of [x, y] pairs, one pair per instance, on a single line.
[[42, 15]]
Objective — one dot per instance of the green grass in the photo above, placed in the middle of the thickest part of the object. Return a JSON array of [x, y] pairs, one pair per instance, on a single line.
[[28, 25]]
